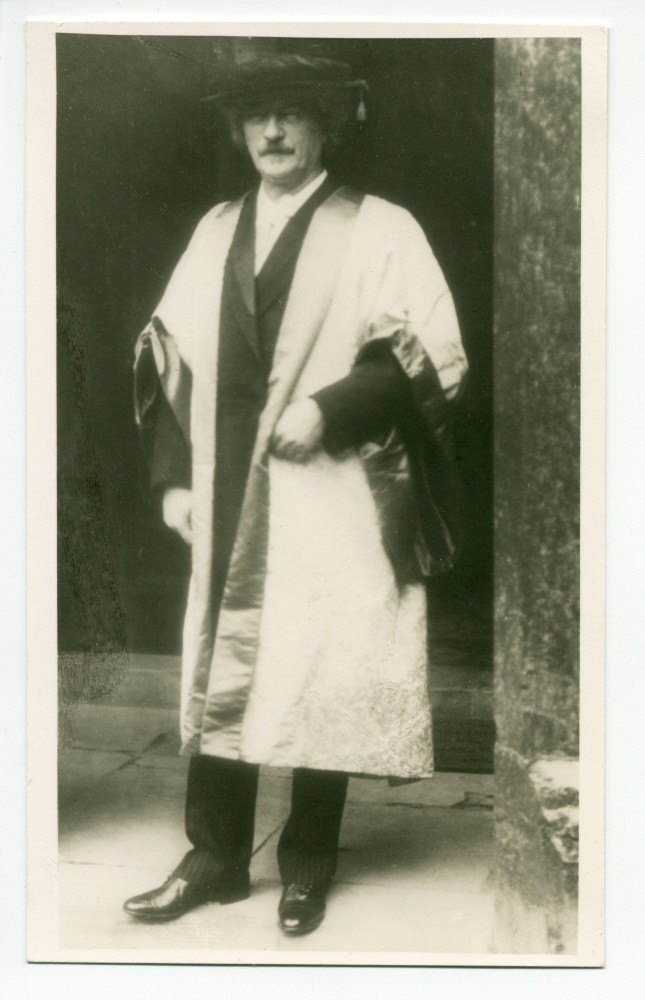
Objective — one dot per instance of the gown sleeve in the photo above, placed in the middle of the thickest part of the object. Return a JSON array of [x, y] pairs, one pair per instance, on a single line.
[[170, 456], [373, 398]]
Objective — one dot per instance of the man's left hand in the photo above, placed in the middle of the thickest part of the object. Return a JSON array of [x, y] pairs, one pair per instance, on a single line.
[[298, 433]]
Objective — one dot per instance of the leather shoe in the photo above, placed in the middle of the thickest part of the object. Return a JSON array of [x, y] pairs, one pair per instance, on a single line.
[[302, 908], [176, 897]]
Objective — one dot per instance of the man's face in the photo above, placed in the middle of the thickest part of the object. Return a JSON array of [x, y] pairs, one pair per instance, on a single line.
[[285, 146]]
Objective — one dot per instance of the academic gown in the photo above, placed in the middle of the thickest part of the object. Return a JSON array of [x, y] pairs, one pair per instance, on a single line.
[[305, 636]]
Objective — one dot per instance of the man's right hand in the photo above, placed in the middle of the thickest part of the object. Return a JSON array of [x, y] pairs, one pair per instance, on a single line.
[[177, 506]]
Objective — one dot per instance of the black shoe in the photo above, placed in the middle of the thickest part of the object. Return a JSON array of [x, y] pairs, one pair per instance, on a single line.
[[302, 908], [176, 897]]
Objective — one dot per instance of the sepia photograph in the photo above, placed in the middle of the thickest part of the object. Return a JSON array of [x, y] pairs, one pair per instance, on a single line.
[[328, 317]]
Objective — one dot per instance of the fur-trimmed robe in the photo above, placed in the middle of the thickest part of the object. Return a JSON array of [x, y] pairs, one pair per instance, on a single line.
[[318, 658]]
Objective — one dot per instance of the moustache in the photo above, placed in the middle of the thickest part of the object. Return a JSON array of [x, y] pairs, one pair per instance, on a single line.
[[284, 150]]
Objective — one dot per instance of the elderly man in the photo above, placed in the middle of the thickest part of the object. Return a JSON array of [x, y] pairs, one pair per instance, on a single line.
[[292, 387]]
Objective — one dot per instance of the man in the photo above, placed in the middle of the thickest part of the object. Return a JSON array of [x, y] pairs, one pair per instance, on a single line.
[[306, 346]]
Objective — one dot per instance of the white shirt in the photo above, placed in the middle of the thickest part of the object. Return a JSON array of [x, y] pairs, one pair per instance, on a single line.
[[272, 216]]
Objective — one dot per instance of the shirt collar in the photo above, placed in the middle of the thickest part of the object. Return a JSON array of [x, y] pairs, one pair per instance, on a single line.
[[287, 204]]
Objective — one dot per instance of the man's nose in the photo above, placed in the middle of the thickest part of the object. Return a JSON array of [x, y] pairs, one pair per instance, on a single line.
[[273, 127]]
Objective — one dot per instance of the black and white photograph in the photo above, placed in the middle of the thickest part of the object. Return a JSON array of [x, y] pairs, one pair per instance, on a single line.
[[327, 329]]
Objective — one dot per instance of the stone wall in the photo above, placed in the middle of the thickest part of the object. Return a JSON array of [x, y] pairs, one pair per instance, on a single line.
[[536, 408]]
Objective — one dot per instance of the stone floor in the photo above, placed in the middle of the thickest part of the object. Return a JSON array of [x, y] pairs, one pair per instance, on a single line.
[[413, 868]]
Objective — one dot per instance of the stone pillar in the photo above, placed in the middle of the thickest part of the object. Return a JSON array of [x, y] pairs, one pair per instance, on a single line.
[[536, 391]]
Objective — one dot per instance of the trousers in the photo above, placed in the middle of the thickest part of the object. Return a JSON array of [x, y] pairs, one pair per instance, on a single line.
[[220, 817]]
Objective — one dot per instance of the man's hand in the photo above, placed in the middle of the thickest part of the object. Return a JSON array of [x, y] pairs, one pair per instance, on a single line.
[[177, 506], [298, 432]]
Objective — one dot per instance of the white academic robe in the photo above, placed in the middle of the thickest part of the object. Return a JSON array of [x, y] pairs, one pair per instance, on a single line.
[[320, 656]]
